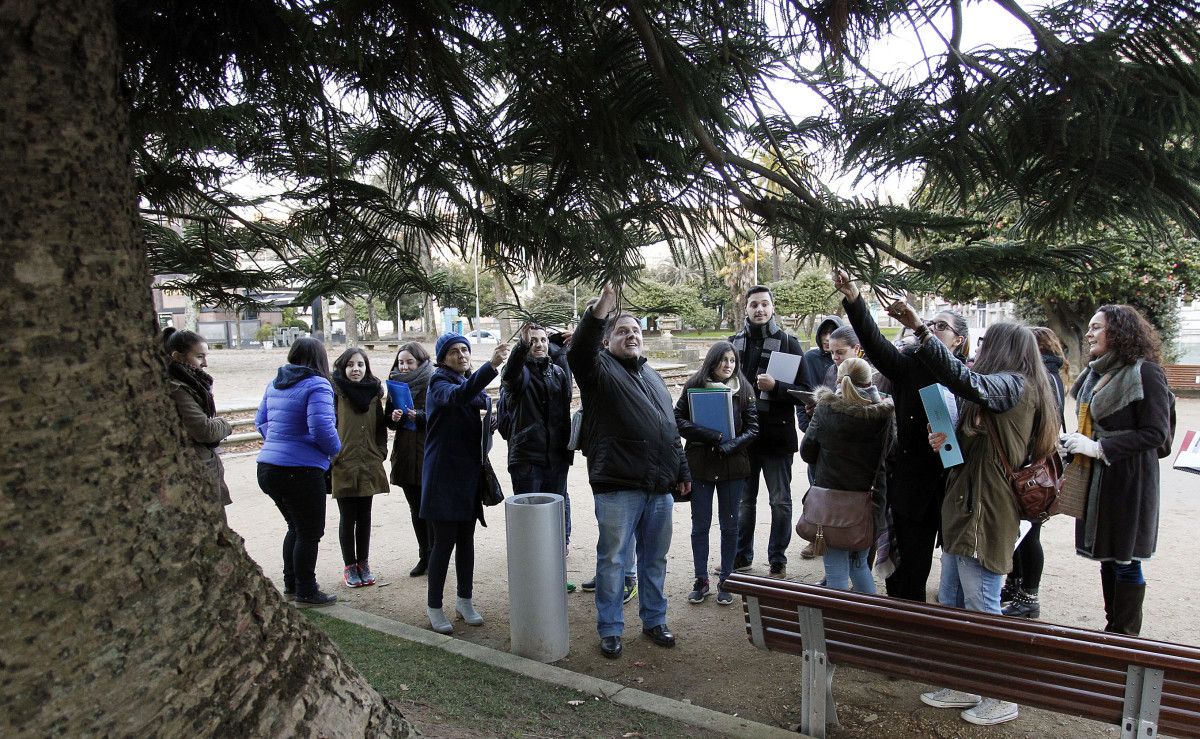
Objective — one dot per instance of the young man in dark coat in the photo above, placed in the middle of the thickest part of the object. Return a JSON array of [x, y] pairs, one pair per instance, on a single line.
[[537, 393], [771, 453], [634, 460]]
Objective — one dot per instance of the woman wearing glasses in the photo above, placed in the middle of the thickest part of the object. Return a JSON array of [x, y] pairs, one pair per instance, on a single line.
[[916, 480]]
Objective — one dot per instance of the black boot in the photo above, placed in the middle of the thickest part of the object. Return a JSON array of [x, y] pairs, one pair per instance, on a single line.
[[1107, 578], [422, 565], [1024, 605], [1127, 608], [1008, 593]]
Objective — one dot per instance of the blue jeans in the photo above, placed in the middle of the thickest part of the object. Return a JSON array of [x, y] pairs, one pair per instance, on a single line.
[[729, 495], [968, 584], [843, 567], [622, 515], [532, 478], [777, 471]]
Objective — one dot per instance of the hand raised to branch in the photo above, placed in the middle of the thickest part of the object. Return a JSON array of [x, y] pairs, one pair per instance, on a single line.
[[904, 313], [607, 302], [844, 285], [499, 354]]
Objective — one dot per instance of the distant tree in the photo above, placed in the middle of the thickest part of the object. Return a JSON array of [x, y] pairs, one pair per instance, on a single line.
[[808, 295]]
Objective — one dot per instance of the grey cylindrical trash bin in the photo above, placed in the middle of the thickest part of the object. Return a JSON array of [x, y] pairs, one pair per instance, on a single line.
[[537, 576]]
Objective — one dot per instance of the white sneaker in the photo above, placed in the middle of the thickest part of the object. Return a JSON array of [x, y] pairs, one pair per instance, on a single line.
[[990, 711], [947, 698]]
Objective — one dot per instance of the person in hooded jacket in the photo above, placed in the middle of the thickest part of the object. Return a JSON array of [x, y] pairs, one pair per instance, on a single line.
[[718, 465], [916, 479], [818, 360], [452, 471], [413, 367], [191, 390], [851, 432], [296, 420], [1019, 597], [771, 453], [356, 473]]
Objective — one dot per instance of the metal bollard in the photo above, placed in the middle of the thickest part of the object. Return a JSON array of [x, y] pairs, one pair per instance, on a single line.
[[537, 576]]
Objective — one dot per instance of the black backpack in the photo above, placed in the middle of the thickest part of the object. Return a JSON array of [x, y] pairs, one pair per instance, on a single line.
[[504, 418]]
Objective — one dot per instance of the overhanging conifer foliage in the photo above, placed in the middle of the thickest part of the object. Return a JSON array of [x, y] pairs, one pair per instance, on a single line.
[[559, 136]]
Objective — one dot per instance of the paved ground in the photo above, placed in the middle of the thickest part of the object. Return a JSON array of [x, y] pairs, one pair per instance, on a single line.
[[713, 665]]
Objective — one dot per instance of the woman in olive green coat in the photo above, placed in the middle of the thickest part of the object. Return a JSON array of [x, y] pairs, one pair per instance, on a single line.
[[357, 471]]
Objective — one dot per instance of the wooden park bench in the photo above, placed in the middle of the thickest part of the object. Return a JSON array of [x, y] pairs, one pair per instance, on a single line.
[[1142, 685], [1183, 378]]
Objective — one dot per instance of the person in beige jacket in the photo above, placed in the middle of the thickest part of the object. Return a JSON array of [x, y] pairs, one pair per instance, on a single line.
[[191, 389]]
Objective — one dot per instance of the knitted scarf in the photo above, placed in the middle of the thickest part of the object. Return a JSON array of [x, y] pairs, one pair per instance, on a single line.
[[766, 332], [359, 394], [198, 382], [417, 380]]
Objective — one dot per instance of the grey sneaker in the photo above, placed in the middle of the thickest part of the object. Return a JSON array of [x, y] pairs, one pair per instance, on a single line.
[[699, 591], [947, 698], [588, 586], [990, 711], [724, 597]]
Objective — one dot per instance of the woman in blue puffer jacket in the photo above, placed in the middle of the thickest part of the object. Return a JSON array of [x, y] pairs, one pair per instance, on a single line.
[[296, 420]]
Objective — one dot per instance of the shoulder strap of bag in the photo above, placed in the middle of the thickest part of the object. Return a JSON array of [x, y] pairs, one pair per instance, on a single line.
[[992, 432]]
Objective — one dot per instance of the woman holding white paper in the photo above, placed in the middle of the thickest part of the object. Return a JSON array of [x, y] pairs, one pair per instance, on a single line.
[[1124, 429], [718, 463], [1008, 408]]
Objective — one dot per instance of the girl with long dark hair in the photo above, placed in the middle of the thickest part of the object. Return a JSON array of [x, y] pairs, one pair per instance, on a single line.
[[718, 464], [413, 367], [191, 390], [1007, 407], [357, 471], [296, 420]]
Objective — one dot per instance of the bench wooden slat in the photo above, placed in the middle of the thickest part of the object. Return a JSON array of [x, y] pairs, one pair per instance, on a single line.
[[1060, 668]]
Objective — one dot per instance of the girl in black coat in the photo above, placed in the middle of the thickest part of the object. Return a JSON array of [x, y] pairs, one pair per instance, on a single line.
[[718, 464], [916, 480]]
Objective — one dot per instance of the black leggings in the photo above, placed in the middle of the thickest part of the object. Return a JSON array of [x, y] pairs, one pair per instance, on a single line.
[[412, 493], [1028, 559], [458, 536], [299, 493], [354, 529], [916, 539]]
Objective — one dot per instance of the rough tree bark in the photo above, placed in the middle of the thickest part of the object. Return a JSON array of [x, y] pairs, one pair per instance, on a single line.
[[130, 608]]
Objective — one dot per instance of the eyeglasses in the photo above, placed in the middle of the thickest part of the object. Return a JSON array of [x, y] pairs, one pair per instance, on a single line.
[[942, 326]]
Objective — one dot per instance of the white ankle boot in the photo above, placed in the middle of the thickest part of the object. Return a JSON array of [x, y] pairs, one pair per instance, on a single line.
[[467, 610], [439, 622]]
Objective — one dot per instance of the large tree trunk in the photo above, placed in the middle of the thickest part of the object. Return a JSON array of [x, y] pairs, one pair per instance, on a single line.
[[131, 609]]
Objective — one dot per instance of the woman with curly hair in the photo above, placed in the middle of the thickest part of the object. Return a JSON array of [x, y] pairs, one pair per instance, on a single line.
[[1124, 419]]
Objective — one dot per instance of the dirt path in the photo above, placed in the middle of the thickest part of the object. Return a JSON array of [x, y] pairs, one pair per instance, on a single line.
[[714, 665]]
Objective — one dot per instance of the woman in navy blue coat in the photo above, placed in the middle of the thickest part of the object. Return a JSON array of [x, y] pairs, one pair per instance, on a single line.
[[453, 466]]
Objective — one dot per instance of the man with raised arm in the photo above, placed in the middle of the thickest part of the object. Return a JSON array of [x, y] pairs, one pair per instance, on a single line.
[[634, 459]]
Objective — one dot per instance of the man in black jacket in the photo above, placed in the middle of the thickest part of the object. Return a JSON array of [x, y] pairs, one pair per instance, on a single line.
[[772, 452], [537, 394], [634, 461]]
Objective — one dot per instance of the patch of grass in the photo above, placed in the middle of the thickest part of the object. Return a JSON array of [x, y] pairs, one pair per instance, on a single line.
[[483, 698]]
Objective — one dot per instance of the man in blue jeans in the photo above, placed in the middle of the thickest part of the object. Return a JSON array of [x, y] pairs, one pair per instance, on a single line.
[[634, 461], [772, 451]]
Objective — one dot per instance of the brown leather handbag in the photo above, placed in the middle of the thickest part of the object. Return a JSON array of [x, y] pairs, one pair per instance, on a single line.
[[1036, 485], [840, 519]]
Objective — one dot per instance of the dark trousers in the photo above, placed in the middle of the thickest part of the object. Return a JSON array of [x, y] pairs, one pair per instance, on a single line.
[[459, 537], [299, 494], [421, 527], [354, 528], [915, 539], [1028, 559]]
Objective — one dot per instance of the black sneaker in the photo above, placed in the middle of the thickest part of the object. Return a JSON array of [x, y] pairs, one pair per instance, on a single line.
[[630, 589], [778, 569], [699, 591], [315, 600], [724, 597], [741, 564], [589, 586]]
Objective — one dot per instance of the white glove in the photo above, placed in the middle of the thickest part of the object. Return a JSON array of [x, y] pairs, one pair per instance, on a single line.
[[1079, 444]]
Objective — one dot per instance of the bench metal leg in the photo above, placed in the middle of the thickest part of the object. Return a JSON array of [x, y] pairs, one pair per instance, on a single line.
[[756, 625], [1143, 698], [816, 697]]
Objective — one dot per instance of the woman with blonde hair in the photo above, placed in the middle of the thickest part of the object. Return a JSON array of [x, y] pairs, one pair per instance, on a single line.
[[849, 435]]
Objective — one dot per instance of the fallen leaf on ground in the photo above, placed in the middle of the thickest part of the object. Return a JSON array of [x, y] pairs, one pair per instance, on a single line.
[[639, 663], [574, 703]]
